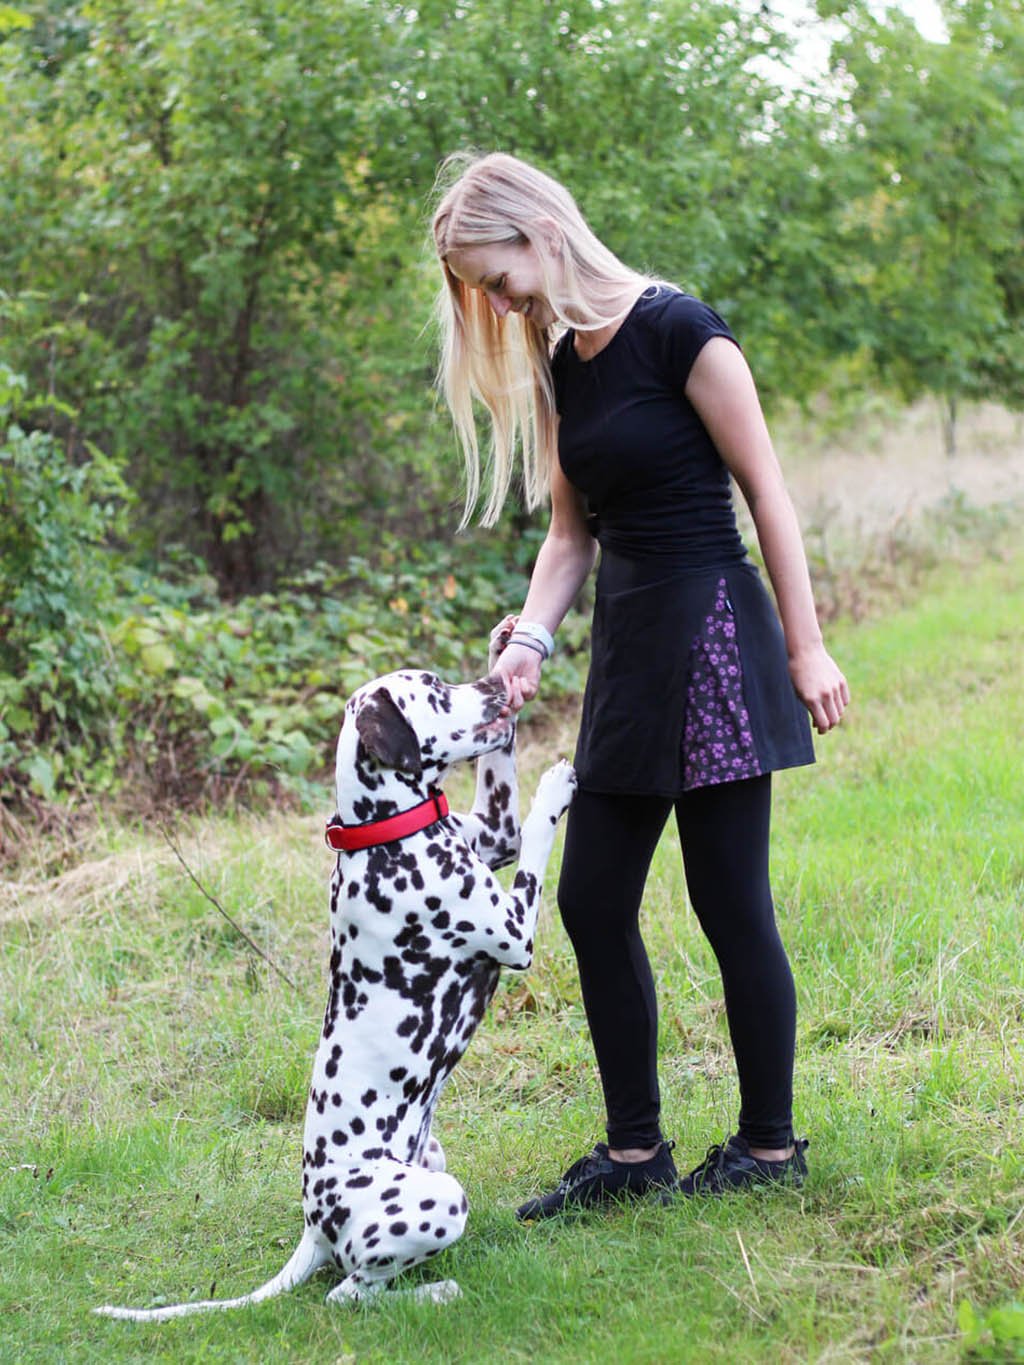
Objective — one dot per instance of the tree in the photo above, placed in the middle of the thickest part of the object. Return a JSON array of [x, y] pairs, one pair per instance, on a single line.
[[214, 225], [935, 211], [217, 226], [186, 179]]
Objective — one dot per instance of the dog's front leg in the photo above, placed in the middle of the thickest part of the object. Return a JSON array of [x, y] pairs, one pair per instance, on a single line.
[[554, 792], [492, 826], [501, 924]]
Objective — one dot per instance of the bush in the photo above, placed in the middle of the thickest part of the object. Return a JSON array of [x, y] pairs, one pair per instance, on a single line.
[[113, 679], [251, 694], [59, 589]]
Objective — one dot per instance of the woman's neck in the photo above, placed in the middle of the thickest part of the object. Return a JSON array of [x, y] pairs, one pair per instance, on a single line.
[[592, 341]]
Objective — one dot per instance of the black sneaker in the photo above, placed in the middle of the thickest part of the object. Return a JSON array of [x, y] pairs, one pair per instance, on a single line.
[[729, 1166], [597, 1179]]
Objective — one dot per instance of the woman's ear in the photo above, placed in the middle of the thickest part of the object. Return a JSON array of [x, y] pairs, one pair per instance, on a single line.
[[548, 235], [387, 734]]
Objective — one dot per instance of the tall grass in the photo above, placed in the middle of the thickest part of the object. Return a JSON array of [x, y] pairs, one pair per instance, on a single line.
[[153, 1072]]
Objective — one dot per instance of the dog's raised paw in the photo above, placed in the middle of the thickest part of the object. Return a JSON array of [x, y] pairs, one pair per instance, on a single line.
[[556, 789]]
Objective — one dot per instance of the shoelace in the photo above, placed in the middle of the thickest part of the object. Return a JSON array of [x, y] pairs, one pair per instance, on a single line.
[[714, 1158], [582, 1170]]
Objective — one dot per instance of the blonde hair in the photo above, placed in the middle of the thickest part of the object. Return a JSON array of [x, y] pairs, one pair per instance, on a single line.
[[505, 362]]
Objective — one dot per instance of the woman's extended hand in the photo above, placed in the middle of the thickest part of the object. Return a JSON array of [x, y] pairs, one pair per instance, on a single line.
[[517, 665], [820, 686]]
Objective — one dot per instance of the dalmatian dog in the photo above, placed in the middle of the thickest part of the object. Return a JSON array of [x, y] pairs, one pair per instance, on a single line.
[[420, 928]]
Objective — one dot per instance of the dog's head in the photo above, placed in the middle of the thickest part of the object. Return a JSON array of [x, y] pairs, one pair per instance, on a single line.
[[408, 728]]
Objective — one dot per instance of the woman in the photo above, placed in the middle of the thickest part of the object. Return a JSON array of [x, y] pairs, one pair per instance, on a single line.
[[633, 421]]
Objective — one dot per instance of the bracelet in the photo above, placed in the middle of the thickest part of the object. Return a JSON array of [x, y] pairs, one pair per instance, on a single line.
[[527, 643], [537, 632]]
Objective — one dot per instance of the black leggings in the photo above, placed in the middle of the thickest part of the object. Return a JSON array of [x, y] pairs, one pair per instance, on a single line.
[[723, 831]]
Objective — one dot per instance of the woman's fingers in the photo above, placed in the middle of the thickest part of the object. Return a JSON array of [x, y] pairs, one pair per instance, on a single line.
[[822, 689], [519, 667]]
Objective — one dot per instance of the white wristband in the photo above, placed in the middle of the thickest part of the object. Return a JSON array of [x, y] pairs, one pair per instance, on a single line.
[[536, 632]]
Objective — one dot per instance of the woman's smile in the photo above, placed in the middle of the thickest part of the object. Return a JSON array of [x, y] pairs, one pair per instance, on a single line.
[[510, 276]]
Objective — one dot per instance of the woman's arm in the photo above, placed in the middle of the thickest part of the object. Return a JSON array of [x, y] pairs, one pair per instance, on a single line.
[[721, 388], [565, 559]]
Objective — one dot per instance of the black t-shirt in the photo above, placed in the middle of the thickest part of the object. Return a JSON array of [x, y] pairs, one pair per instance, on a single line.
[[633, 444]]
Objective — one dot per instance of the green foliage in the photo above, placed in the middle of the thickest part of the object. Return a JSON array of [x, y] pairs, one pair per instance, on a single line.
[[213, 231], [997, 1334], [934, 167], [112, 679], [187, 178], [252, 693], [687, 158], [213, 224], [12, 19], [58, 588]]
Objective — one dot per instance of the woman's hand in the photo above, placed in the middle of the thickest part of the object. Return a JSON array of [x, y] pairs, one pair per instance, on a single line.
[[820, 686], [517, 665], [500, 636]]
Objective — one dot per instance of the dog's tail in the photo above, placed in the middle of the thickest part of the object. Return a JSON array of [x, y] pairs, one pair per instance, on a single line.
[[306, 1260]]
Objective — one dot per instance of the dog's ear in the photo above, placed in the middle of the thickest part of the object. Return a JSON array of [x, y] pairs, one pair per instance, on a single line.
[[387, 734]]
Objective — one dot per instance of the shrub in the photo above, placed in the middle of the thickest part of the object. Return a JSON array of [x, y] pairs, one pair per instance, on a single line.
[[59, 587], [114, 679]]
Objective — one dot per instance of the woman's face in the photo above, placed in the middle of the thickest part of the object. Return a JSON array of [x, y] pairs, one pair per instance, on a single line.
[[510, 276]]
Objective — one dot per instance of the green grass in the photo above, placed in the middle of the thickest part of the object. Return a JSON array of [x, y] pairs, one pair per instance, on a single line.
[[153, 1074]]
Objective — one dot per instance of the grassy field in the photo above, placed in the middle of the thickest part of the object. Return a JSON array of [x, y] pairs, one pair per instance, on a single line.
[[153, 1072]]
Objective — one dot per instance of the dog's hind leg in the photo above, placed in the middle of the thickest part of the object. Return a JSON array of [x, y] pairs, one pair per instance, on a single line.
[[360, 1288], [397, 1228]]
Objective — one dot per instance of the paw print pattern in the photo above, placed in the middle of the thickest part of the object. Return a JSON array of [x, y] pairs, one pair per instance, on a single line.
[[718, 744]]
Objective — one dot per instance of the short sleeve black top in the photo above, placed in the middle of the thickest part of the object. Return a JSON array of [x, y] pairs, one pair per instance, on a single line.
[[634, 445]]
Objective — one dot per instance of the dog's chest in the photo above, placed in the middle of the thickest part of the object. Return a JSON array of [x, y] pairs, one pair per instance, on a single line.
[[403, 1003]]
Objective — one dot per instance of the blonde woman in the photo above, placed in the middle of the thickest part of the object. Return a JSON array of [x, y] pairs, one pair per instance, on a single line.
[[631, 404]]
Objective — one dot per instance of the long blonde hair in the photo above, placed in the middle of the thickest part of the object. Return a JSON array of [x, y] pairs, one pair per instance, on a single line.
[[505, 362]]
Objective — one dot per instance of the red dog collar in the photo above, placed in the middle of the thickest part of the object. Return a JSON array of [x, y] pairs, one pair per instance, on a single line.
[[352, 837]]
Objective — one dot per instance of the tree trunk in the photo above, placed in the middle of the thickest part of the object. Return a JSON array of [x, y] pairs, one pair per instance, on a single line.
[[949, 414]]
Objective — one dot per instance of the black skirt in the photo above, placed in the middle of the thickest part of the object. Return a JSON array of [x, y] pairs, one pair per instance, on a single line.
[[689, 681]]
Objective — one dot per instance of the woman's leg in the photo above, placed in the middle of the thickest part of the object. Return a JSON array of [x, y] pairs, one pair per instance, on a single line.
[[609, 843], [724, 833]]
